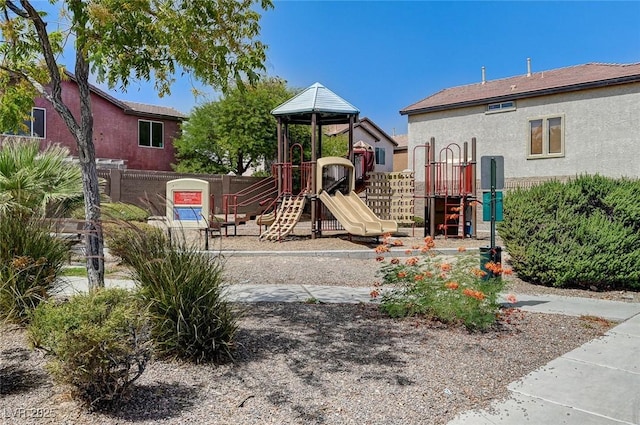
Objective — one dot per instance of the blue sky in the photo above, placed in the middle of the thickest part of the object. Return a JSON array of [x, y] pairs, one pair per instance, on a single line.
[[382, 56]]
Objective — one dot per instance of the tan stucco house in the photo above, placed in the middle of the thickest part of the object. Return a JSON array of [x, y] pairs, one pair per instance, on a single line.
[[557, 123]]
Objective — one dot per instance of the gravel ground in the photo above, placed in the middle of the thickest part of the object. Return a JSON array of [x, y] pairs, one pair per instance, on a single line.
[[312, 364], [329, 271], [317, 364]]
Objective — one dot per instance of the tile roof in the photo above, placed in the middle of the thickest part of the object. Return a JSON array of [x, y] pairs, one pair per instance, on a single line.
[[154, 109], [402, 140], [335, 129], [559, 80], [135, 108]]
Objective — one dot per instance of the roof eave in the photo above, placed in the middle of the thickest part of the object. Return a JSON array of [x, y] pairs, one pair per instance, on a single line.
[[130, 111], [524, 95]]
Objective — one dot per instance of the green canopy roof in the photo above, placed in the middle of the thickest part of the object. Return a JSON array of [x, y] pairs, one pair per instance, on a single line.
[[316, 99]]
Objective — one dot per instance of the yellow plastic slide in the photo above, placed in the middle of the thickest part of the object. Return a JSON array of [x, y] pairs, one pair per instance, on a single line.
[[355, 216]]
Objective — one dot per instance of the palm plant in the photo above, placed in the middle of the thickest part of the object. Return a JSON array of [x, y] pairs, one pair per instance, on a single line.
[[33, 181]]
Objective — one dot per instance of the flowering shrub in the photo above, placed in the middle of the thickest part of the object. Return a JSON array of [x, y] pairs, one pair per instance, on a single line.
[[451, 290]]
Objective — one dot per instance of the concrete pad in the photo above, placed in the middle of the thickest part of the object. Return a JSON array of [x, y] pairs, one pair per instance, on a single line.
[[334, 294], [575, 306], [601, 391], [630, 327], [72, 285], [616, 351], [360, 254], [521, 409], [267, 293]]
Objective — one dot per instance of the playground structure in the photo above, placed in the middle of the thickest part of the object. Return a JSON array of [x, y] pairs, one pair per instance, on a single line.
[[449, 189], [327, 185]]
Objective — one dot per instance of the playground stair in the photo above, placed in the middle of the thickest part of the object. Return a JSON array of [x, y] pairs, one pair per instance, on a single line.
[[454, 216], [286, 218]]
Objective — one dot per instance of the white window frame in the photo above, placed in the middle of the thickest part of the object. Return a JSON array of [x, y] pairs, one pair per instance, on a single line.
[[29, 124], [495, 108], [151, 123], [44, 123], [383, 154], [545, 137]]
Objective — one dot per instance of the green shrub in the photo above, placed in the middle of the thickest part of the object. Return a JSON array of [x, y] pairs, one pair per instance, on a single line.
[[451, 291], [117, 211], [30, 262], [585, 233], [119, 237], [99, 343], [183, 291]]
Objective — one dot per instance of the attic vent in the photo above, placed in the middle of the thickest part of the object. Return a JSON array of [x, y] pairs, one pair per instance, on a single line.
[[501, 107]]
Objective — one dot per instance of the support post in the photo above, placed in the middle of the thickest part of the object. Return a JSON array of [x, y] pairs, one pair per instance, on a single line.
[[278, 175], [432, 188], [493, 203], [315, 219], [474, 189]]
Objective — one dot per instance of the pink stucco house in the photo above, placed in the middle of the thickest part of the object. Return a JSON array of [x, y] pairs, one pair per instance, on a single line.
[[125, 134]]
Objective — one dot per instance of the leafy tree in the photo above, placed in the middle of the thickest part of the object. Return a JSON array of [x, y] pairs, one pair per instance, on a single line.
[[234, 133], [335, 145], [32, 181], [120, 41]]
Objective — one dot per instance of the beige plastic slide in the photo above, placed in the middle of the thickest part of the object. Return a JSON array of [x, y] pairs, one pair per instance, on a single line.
[[355, 216]]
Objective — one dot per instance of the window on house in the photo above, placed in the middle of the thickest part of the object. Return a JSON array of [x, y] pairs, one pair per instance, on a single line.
[[150, 133], [501, 107], [35, 126], [37, 123], [380, 152], [546, 137]]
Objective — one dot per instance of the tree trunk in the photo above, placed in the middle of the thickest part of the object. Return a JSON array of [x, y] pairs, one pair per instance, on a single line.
[[94, 242], [82, 133]]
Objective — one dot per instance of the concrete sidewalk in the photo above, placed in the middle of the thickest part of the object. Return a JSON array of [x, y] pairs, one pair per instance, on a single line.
[[595, 384]]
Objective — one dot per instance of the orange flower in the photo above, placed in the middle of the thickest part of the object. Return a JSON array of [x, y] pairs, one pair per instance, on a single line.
[[402, 275], [428, 242], [461, 249], [474, 294], [452, 285], [395, 261], [511, 299], [478, 273], [408, 251], [428, 275], [418, 277], [379, 258], [507, 271], [374, 293], [382, 248], [412, 261], [398, 243], [445, 267]]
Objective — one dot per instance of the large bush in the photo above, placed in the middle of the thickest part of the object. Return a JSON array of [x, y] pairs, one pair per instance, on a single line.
[[99, 343], [30, 262], [183, 293], [583, 233]]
